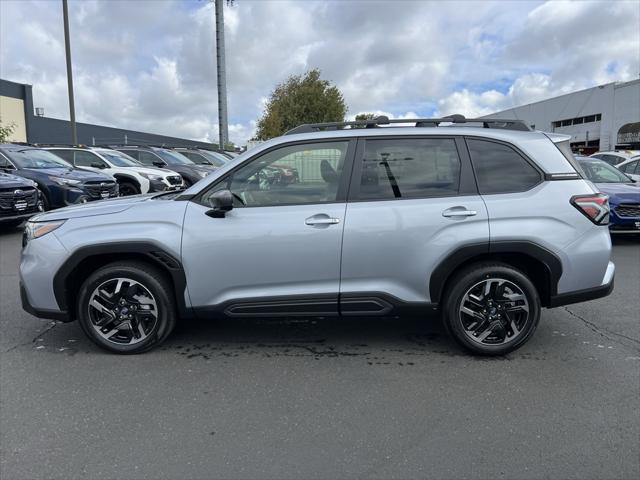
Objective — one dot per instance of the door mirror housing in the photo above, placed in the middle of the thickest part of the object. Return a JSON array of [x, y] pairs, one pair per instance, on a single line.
[[159, 163], [222, 202], [98, 165]]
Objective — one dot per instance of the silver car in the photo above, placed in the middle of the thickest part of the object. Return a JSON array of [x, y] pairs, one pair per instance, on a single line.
[[482, 220]]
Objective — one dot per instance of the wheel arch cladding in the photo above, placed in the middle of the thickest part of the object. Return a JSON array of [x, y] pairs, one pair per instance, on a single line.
[[85, 260], [541, 265], [123, 177]]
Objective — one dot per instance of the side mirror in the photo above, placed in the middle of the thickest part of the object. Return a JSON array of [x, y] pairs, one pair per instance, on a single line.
[[159, 163], [222, 202], [98, 165]]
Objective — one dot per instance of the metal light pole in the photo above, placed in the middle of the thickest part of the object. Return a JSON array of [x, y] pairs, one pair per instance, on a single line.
[[67, 49], [223, 127]]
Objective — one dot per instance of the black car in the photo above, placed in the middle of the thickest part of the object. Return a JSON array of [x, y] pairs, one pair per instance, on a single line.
[[19, 200], [166, 158], [200, 156], [59, 183]]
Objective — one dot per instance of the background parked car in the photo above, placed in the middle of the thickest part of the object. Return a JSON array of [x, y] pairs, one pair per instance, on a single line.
[[203, 157], [631, 168], [623, 192], [19, 199], [132, 177], [166, 158], [617, 156], [60, 184]]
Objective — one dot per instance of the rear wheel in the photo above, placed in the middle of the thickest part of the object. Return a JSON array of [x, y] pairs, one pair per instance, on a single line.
[[491, 309], [128, 188], [127, 307]]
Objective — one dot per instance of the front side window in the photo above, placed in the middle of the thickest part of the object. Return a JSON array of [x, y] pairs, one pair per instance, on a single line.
[[409, 168], [64, 154], [500, 169], [147, 158], [88, 159], [119, 159], [292, 175], [173, 158]]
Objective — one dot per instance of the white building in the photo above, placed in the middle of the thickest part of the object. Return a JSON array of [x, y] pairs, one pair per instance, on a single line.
[[599, 118]]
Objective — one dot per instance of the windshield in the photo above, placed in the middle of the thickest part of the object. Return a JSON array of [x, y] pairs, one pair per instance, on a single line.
[[601, 172], [173, 158], [215, 158], [119, 159], [35, 158]]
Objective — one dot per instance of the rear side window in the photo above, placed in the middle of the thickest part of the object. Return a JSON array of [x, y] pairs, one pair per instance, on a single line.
[[500, 168], [64, 154], [409, 168]]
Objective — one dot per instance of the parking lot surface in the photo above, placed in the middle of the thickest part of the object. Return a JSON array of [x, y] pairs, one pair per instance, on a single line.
[[350, 398]]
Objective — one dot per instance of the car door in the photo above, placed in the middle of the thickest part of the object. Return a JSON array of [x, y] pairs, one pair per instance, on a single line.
[[412, 202], [90, 161], [278, 250]]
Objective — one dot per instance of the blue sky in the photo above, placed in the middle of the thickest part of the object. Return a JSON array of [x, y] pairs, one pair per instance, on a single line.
[[149, 64]]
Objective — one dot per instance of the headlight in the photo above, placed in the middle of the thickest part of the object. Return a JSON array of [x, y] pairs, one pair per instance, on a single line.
[[38, 229], [151, 176], [65, 181]]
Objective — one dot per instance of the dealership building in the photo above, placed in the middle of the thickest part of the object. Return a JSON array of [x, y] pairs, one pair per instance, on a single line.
[[31, 126], [605, 117]]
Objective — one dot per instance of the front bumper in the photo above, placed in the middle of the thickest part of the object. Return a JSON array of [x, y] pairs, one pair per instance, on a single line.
[[587, 294], [59, 315]]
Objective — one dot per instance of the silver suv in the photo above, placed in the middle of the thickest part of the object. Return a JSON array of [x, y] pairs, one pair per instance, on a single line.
[[483, 220]]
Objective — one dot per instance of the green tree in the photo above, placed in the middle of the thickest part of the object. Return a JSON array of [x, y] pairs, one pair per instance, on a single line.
[[6, 131], [301, 99]]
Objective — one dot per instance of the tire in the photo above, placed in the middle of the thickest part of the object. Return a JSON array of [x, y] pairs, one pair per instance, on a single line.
[[187, 182], [46, 205], [491, 308], [144, 290], [128, 188]]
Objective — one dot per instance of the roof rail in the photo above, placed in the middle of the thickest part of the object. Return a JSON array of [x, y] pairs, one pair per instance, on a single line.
[[504, 124]]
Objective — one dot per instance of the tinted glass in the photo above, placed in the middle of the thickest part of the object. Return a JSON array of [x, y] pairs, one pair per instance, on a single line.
[[293, 175], [600, 172], [64, 154], [33, 158], [196, 158], [411, 168], [215, 158], [119, 159], [500, 169], [132, 153], [173, 158], [88, 159], [147, 158]]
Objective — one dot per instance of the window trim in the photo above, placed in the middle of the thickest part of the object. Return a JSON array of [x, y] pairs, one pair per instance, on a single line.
[[525, 157], [466, 186], [343, 186]]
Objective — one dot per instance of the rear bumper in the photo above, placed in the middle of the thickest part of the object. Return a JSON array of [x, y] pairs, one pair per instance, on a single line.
[[587, 294], [40, 313]]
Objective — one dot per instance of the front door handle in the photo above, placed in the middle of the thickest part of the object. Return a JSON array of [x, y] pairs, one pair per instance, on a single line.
[[458, 212], [320, 220]]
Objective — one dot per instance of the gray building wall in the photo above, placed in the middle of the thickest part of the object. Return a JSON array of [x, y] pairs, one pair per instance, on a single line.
[[54, 130], [617, 104]]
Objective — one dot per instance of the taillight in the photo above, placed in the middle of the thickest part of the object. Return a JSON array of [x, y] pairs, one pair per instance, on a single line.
[[595, 207]]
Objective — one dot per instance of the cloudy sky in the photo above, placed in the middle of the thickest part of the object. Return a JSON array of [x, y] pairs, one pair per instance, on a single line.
[[149, 65]]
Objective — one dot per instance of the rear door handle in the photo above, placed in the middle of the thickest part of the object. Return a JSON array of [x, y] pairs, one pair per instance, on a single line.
[[321, 219], [458, 212]]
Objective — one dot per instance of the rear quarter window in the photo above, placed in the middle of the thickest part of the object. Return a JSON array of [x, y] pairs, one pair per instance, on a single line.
[[499, 168]]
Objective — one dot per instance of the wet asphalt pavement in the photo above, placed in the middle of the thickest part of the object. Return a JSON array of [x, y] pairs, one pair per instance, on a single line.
[[350, 398]]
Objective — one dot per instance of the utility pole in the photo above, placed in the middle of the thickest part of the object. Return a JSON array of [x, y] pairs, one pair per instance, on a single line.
[[67, 49], [223, 127]]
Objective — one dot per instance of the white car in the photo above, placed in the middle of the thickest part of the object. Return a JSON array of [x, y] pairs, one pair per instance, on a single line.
[[631, 167], [616, 157], [132, 177]]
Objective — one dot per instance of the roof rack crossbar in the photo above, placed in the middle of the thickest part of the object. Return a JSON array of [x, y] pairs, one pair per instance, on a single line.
[[505, 124]]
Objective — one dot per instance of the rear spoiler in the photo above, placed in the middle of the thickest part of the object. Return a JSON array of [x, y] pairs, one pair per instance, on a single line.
[[557, 137]]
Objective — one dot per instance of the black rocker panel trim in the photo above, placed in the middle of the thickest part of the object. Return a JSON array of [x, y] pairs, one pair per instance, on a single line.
[[329, 305], [153, 252], [442, 272]]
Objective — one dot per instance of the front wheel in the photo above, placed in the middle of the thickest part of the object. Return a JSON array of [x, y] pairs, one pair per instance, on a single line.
[[126, 307], [491, 309], [128, 188]]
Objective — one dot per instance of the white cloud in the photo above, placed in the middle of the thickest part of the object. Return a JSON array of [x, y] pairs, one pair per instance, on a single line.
[[150, 66]]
